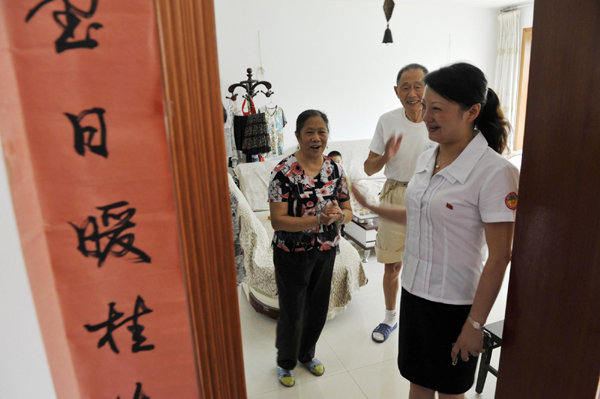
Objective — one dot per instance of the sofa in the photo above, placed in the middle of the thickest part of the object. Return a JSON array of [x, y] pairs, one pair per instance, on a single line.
[[255, 231]]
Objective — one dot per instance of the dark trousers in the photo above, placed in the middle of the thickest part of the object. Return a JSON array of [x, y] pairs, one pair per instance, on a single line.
[[304, 284]]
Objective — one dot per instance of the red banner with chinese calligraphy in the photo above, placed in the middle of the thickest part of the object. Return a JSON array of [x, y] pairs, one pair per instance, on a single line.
[[83, 134]]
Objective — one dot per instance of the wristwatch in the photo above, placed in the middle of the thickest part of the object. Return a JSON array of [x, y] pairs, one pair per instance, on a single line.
[[476, 325]]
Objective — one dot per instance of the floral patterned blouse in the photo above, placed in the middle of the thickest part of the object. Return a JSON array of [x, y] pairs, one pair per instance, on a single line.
[[276, 121], [306, 196]]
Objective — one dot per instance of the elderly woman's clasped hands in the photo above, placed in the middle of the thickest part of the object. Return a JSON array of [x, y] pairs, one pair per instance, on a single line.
[[331, 213]]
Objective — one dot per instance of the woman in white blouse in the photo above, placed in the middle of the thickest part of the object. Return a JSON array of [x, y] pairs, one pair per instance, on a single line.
[[462, 196]]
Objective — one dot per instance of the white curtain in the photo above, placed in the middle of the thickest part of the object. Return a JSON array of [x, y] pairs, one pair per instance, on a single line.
[[507, 67]]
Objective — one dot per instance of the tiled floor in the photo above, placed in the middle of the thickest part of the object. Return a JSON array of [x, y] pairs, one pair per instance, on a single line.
[[356, 367]]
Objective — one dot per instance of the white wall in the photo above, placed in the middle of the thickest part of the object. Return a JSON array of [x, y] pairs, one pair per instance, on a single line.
[[328, 55], [24, 372], [526, 17], [526, 20]]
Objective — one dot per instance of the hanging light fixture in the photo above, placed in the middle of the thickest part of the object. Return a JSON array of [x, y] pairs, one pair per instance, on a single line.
[[388, 9]]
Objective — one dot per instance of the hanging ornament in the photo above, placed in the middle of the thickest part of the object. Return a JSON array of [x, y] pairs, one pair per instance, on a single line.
[[388, 9]]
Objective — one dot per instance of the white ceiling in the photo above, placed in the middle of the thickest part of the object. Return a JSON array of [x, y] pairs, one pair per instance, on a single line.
[[469, 3]]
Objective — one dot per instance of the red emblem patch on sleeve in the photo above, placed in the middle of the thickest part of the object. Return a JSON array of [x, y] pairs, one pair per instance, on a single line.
[[449, 206], [511, 200]]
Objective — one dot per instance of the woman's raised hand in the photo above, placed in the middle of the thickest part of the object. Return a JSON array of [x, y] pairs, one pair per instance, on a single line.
[[360, 198], [392, 147]]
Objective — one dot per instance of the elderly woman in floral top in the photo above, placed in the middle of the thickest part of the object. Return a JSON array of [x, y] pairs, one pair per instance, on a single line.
[[308, 197]]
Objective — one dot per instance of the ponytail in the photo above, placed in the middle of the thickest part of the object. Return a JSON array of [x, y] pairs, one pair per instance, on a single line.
[[492, 123]]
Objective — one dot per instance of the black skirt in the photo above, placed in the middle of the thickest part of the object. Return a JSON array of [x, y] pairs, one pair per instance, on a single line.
[[239, 127], [427, 331], [256, 136]]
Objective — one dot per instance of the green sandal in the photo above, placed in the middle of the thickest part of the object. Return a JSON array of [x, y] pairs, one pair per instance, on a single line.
[[315, 367], [286, 377]]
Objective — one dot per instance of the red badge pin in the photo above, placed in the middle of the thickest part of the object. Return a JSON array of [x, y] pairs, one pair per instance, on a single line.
[[449, 206], [511, 200]]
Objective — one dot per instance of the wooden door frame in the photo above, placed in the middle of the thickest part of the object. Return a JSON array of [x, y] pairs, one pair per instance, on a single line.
[[552, 323], [197, 142]]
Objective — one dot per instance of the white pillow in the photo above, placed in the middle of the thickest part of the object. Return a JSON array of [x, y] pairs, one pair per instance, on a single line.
[[354, 154], [254, 183], [370, 188], [515, 158], [254, 177]]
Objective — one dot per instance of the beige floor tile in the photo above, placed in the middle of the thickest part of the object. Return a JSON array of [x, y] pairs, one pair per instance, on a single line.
[[381, 380], [349, 334], [332, 387], [356, 367], [258, 340]]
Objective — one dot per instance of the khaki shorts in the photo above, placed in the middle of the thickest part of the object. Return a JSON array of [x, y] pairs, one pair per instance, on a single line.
[[391, 236]]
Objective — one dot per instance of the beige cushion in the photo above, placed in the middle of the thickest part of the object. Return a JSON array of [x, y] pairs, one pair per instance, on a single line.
[[254, 177], [354, 154], [254, 183]]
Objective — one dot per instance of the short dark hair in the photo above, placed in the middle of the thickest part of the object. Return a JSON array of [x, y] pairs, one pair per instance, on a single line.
[[466, 85], [334, 153], [309, 113], [409, 67]]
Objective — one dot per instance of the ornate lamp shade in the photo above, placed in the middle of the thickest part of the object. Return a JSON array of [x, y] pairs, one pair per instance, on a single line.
[[388, 9]]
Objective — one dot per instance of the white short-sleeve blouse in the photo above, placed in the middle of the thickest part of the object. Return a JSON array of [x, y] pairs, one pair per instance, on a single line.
[[445, 243]]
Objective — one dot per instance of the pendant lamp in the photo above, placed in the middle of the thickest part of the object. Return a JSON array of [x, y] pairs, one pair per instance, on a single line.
[[388, 9]]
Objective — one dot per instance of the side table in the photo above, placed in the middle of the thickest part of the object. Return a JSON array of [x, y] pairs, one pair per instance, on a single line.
[[363, 232]]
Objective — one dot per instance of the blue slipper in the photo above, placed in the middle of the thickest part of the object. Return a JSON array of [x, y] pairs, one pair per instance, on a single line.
[[286, 377], [384, 330], [315, 367]]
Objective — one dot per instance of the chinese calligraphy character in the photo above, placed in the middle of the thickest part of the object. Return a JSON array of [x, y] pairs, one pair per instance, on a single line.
[[138, 392], [135, 328], [113, 237], [71, 20], [80, 132]]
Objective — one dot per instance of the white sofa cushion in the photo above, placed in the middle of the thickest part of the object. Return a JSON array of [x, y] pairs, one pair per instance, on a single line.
[[354, 154], [254, 177], [254, 183]]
